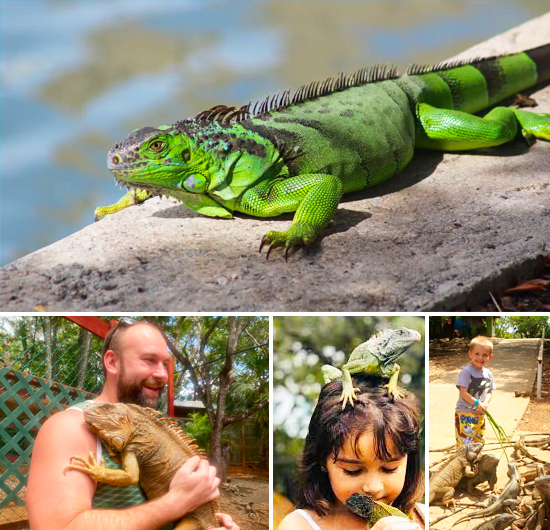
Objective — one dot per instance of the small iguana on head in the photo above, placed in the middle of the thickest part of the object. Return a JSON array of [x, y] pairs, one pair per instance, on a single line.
[[372, 511], [376, 358], [151, 449]]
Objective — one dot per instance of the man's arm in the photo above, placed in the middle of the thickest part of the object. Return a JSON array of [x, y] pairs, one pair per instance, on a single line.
[[56, 501]]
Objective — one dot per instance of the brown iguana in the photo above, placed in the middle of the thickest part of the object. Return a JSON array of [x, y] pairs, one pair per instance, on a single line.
[[443, 482], [500, 522], [521, 449], [508, 498], [151, 449], [486, 471]]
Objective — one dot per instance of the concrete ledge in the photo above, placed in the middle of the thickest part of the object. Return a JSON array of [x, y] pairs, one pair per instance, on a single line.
[[446, 225]]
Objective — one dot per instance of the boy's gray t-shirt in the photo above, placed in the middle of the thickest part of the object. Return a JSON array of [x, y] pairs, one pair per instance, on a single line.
[[478, 383]]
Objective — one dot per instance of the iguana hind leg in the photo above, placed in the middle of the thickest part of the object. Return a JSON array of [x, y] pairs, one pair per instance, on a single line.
[[454, 130]]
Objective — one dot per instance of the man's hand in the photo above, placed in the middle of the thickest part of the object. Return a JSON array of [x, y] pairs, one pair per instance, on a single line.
[[194, 484]]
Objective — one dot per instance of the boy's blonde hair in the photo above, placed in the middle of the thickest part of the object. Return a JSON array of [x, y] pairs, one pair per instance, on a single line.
[[481, 340]]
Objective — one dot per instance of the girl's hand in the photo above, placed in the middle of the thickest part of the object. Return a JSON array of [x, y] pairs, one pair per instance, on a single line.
[[396, 523], [227, 521]]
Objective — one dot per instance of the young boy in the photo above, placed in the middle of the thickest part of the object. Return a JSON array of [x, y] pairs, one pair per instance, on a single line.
[[475, 385]]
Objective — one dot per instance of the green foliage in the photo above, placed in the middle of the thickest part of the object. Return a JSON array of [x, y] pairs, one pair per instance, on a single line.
[[199, 429], [519, 327]]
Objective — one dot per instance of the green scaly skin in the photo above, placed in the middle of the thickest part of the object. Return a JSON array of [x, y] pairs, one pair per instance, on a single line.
[[372, 511], [301, 153], [376, 357]]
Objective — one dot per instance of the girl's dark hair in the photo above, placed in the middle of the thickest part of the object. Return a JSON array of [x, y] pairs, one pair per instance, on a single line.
[[396, 420]]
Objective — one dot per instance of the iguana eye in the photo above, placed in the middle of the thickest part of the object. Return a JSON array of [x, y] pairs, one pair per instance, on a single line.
[[157, 145]]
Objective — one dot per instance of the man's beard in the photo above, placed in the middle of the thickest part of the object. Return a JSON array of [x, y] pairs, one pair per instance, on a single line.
[[132, 392]]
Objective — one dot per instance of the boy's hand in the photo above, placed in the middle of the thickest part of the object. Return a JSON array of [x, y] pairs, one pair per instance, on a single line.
[[481, 407]]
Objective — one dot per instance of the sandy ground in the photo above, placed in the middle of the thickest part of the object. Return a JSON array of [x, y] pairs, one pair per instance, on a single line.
[[248, 503]]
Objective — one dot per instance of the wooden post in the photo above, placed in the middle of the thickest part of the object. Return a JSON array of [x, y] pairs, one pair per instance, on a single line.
[[170, 396], [539, 369]]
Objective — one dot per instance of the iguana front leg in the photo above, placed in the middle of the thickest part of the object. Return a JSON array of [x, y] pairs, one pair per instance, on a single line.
[[127, 476], [134, 196], [392, 383], [314, 197]]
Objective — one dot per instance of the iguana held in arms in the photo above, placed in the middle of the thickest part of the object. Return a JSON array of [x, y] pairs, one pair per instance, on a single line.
[[506, 499], [151, 448], [375, 357], [442, 484], [300, 153], [372, 511], [486, 471]]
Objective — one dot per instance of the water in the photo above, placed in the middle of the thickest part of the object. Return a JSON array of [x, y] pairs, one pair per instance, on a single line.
[[78, 76]]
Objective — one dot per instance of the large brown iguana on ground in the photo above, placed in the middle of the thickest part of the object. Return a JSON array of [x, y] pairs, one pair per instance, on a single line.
[[151, 449], [443, 482]]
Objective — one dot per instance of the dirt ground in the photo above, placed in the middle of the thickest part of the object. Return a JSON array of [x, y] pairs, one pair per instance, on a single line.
[[246, 499]]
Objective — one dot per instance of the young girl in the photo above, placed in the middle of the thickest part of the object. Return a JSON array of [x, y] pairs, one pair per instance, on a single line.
[[372, 447]]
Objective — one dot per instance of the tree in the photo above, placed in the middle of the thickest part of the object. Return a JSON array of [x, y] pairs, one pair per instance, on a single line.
[[216, 355], [522, 327]]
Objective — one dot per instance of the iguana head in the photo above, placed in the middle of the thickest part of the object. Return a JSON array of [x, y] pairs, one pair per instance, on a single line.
[[111, 422], [206, 165], [392, 343]]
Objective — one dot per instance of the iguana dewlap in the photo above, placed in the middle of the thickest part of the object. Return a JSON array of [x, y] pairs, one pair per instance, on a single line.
[[376, 357], [151, 449]]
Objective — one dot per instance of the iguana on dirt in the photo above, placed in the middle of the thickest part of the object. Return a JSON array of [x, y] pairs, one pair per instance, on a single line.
[[486, 470], [300, 153], [507, 498], [372, 511], [442, 484], [376, 357], [500, 522], [151, 448]]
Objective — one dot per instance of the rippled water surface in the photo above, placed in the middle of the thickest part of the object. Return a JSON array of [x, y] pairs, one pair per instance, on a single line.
[[77, 76]]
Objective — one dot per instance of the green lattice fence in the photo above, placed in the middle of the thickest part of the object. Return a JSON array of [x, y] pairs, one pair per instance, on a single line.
[[52, 348], [26, 402]]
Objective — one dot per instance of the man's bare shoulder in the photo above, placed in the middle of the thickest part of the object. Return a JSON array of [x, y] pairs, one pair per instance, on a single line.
[[63, 435]]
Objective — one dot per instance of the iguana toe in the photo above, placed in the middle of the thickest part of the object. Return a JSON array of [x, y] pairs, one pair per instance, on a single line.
[[298, 235], [349, 396]]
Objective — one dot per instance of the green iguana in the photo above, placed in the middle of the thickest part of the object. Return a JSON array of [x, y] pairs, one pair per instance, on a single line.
[[372, 511], [376, 357], [151, 449], [300, 153], [443, 482]]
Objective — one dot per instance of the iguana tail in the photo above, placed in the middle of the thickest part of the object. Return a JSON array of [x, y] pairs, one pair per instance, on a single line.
[[473, 85]]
